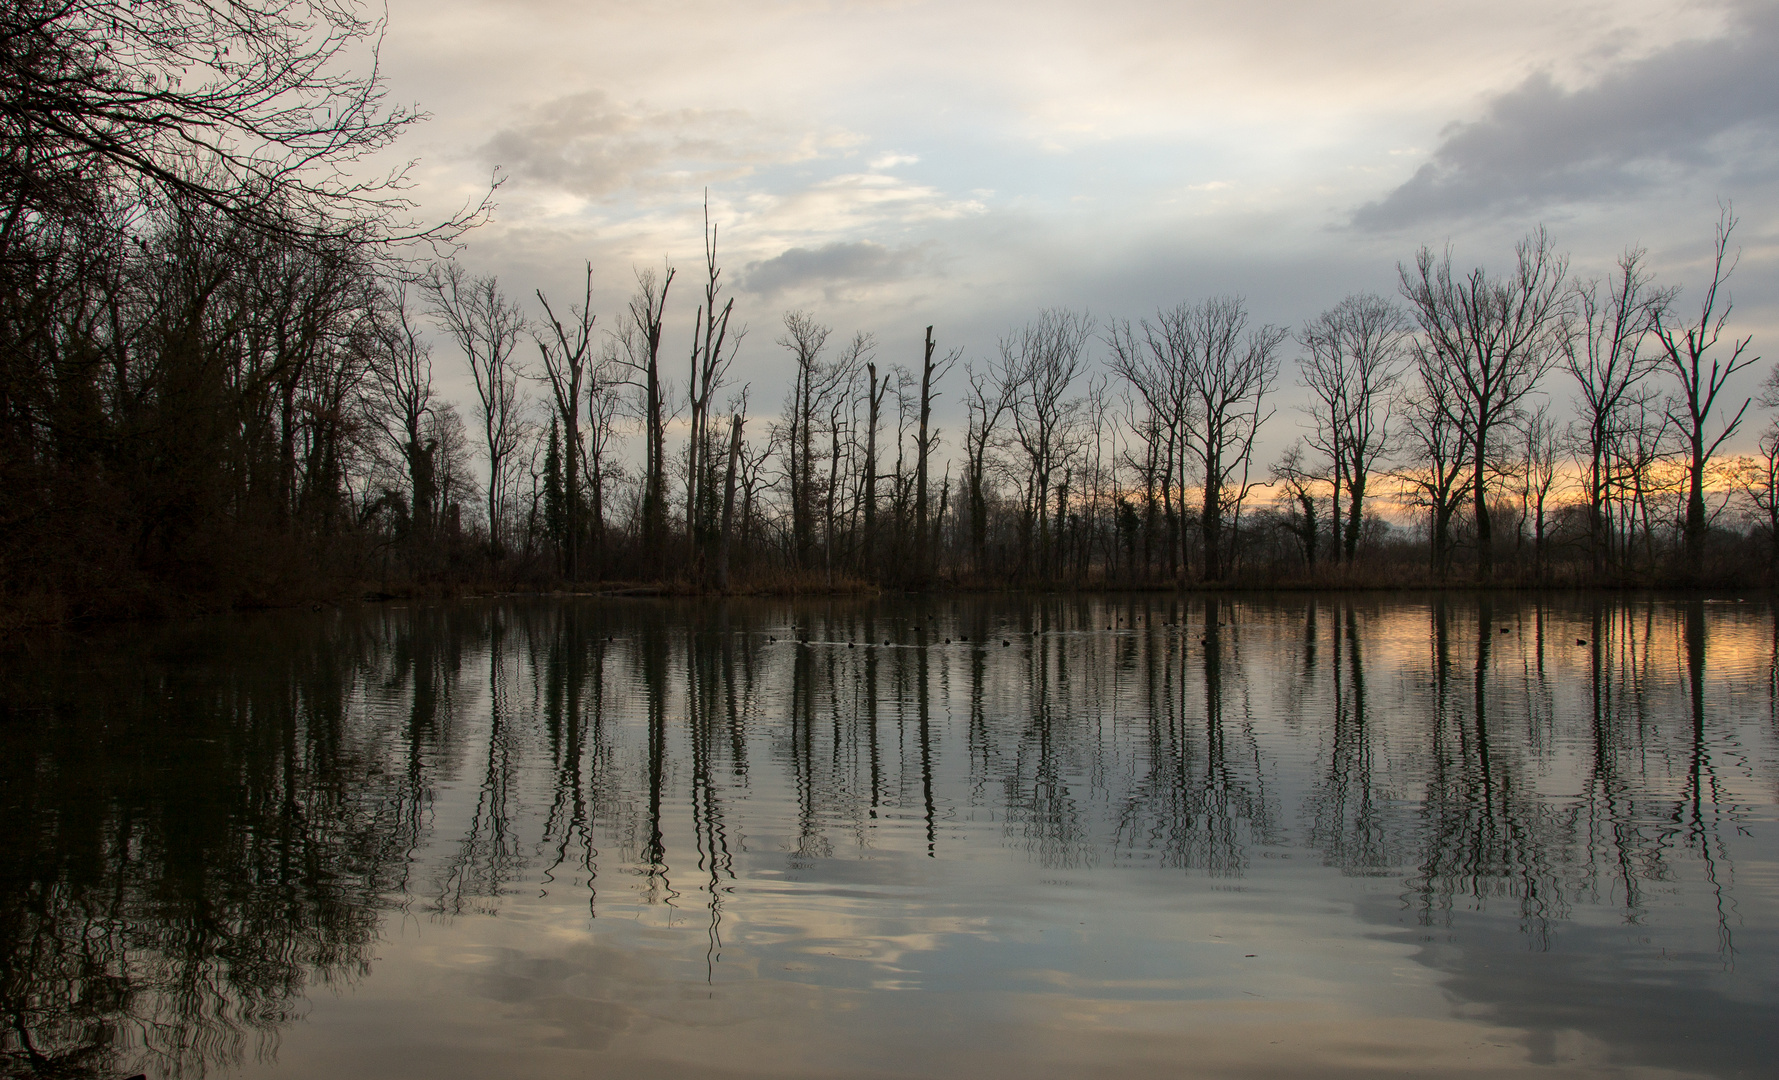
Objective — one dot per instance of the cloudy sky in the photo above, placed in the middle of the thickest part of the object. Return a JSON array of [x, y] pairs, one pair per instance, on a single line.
[[885, 164]]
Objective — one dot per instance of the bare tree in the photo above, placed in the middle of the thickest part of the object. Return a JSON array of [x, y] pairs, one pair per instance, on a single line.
[[931, 371], [1603, 349], [604, 403], [1685, 348], [1538, 477], [251, 110], [1300, 482], [1757, 477], [1641, 445], [1228, 371], [805, 339], [1153, 363], [568, 355], [736, 418], [1438, 442], [839, 401], [402, 402], [991, 394], [1495, 337], [1099, 480], [1155, 464], [487, 326], [639, 348], [875, 388], [1043, 360], [1356, 351], [713, 350]]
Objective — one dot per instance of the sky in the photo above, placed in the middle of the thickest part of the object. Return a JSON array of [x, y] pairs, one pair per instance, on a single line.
[[889, 164]]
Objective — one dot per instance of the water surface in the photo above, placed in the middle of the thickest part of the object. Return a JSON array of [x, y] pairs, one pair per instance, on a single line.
[[960, 837]]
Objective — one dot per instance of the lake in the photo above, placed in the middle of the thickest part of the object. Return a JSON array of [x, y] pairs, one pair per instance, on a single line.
[[1008, 836]]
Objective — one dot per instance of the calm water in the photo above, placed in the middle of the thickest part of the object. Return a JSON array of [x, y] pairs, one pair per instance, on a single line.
[[1109, 836]]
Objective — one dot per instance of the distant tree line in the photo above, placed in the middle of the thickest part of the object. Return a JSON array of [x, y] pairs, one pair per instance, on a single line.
[[217, 386], [1430, 444]]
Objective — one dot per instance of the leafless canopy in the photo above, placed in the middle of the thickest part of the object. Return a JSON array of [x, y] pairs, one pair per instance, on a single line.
[[1040, 363], [1353, 364], [248, 107], [1603, 349], [1685, 348], [1491, 339], [487, 326]]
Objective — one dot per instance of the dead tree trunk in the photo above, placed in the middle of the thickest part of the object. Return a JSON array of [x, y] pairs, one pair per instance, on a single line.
[[728, 503]]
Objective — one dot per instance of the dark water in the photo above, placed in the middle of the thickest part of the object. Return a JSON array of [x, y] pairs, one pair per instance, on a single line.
[[1110, 836]]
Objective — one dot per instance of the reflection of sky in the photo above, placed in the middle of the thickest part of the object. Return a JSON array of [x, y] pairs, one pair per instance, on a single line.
[[1025, 945]]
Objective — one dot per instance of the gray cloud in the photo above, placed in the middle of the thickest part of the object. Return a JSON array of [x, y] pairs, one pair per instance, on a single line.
[[587, 144], [831, 267], [1695, 104]]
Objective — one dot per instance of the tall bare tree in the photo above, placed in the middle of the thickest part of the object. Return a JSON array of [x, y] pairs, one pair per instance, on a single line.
[[1685, 348], [805, 339], [487, 326], [639, 345], [1355, 354], [605, 401], [713, 350], [402, 401], [1043, 361], [875, 388], [567, 353], [839, 405], [1495, 337], [990, 396], [1438, 443], [1152, 361], [1538, 477], [1603, 349], [931, 371], [725, 536], [1228, 371]]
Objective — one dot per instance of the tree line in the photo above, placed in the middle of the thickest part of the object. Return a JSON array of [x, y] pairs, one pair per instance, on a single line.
[[217, 384]]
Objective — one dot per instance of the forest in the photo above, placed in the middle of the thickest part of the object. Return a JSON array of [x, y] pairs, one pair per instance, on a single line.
[[221, 346]]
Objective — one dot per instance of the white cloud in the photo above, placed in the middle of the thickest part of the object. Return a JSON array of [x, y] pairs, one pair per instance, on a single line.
[[590, 145], [891, 160]]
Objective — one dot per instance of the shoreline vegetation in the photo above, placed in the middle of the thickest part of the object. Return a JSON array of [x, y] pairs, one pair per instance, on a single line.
[[217, 390]]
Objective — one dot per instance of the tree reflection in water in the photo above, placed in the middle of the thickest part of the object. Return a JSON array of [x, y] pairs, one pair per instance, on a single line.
[[200, 823], [197, 827]]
